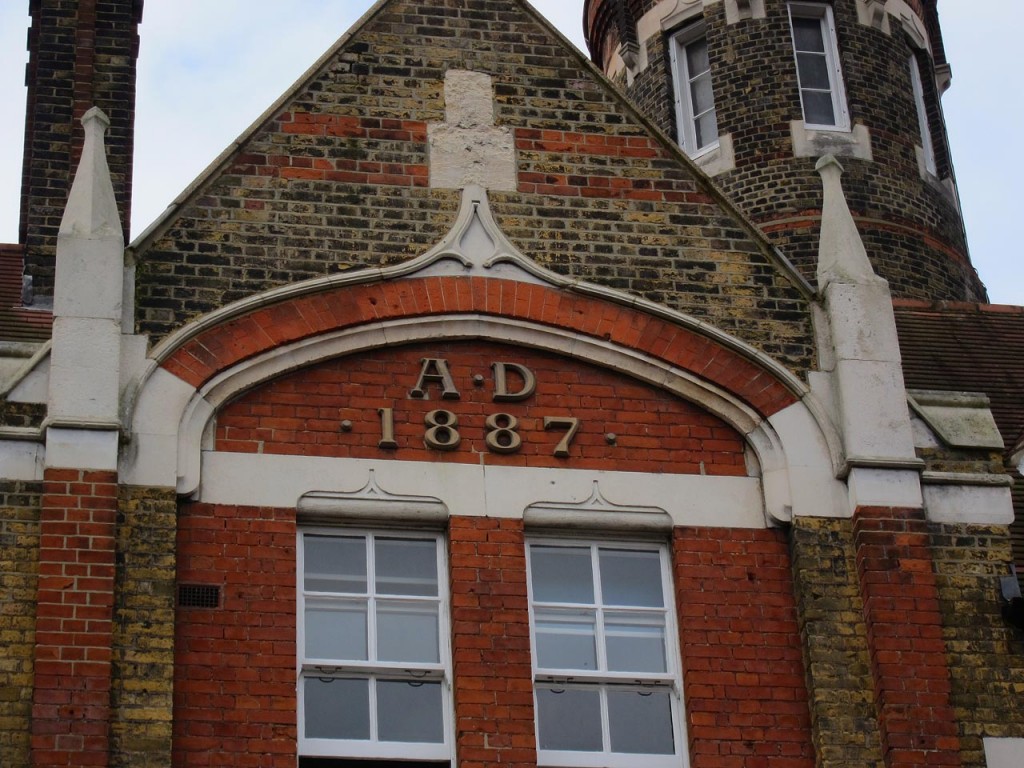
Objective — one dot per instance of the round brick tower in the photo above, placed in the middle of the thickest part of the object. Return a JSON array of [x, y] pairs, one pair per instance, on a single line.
[[756, 91]]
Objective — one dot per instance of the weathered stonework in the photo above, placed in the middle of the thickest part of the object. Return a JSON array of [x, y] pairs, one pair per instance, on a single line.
[[833, 633], [143, 644], [337, 180], [19, 570], [910, 224], [986, 656]]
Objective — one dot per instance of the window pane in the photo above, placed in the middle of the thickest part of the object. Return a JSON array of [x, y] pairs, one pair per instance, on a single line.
[[701, 95], [631, 578], [336, 629], [337, 709], [406, 567], [813, 71], [807, 35], [565, 640], [407, 632], [335, 564], [818, 108], [561, 575], [697, 57], [569, 718], [409, 711], [706, 129], [635, 643], [640, 723]]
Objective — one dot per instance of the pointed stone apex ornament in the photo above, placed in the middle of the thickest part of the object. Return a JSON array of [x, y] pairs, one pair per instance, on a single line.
[[91, 212], [842, 257]]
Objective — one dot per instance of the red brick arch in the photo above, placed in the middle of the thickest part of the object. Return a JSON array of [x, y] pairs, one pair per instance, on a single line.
[[218, 348]]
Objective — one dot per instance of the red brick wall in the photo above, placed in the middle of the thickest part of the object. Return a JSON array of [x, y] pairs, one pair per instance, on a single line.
[[539, 150], [904, 623], [234, 666], [743, 672], [340, 169], [235, 702], [655, 431], [74, 619], [491, 644]]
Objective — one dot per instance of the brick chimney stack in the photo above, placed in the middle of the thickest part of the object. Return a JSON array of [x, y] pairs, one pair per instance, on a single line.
[[82, 53]]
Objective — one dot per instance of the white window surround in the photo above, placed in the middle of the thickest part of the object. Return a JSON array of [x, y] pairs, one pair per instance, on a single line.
[[926, 152], [372, 641], [816, 58], [665, 16], [605, 654], [696, 122]]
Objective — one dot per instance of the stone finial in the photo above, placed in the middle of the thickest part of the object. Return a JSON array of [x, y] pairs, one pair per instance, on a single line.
[[88, 304], [91, 212], [842, 257]]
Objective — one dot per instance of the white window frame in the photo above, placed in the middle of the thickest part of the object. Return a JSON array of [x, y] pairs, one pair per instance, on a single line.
[[823, 14], [685, 118], [602, 680], [441, 672], [927, 146]]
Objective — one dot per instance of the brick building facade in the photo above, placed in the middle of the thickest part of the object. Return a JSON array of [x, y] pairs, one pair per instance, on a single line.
[[460, 417]]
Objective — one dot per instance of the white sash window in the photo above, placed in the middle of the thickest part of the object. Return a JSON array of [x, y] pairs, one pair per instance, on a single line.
[[817, 65], [374, 659], [696, 118], [605, 656]]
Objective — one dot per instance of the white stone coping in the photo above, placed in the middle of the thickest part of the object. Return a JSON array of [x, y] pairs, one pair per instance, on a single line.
[[1003, 752], [929, 477], [81, 449], [335, 489], [959, 419], [21, 460]]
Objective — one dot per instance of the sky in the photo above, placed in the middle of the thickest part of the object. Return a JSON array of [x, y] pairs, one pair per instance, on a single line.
[[209, 68]]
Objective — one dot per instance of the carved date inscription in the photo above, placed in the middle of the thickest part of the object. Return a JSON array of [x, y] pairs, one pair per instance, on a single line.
[[511, 382]]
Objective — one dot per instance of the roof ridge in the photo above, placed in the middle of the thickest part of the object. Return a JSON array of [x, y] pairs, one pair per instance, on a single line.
[[942, 305]]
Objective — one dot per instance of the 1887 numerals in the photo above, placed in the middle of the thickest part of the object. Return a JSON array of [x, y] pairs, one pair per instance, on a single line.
[[441, 431]]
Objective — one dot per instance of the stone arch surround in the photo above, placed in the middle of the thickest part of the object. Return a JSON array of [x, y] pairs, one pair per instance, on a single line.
[[201, 358], [201, 370]]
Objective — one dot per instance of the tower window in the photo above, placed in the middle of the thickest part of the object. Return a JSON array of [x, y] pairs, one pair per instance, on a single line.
[[374, 668], [604, 656], [817, 66], [927, 147], [695, 100]]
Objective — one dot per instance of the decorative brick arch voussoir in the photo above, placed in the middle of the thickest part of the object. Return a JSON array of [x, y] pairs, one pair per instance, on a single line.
[[220, 347]]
